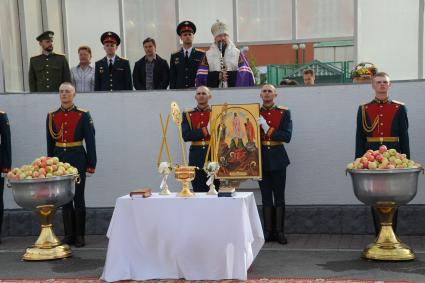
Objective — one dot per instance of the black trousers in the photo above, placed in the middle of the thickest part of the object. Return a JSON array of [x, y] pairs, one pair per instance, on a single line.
[[199, 184], [272, 188], [74, 212], [1, 202]]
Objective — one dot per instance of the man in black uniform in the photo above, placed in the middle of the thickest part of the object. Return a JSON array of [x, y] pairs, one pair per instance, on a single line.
[[67, 127], [195, 128], [5, 157], [382, 122], [112, 72], [184, 63], [47, 70], [276, 129]]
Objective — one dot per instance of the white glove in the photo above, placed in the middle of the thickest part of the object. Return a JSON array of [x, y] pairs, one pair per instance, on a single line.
[[209, 128], [263, 123], [3, 175], [89, 174]]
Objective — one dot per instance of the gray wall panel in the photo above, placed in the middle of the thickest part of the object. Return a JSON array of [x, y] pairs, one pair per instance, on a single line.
[[128, 136]]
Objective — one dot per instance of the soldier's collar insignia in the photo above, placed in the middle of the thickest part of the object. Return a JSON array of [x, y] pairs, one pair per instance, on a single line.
[[381, 101]]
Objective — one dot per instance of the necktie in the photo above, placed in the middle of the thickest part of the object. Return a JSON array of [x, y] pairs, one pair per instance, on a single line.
[[186, 56], [110, 66]]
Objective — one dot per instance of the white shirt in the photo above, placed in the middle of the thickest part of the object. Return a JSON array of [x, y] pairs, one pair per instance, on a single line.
[[188, 51], [109, 59]]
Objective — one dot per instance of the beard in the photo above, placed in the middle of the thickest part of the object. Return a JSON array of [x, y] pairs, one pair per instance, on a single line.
[[49, 48]]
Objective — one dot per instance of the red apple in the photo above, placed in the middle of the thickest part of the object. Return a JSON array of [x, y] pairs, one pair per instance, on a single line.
[[383, 148]]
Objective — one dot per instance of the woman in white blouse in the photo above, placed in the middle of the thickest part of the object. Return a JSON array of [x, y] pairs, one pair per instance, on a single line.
[[82, 75]]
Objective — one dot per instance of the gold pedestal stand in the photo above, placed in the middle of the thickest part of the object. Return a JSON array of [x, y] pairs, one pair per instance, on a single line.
[[47, 246], [185, 174], [387, 246]]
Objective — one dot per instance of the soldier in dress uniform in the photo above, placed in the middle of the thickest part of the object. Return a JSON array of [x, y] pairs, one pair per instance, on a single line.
[[112, 72], [67, 127], [382, 122], [48, 70], [185, 62], [276, 129], [5, 158], [195, 129]]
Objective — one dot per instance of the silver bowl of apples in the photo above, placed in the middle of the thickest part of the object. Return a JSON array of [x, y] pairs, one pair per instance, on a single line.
[[46, 181], [384, 176]]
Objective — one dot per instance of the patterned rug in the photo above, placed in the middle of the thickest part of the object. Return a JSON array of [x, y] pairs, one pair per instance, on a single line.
[[260, 280]]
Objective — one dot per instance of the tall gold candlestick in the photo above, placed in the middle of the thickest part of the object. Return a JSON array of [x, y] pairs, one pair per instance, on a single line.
[[177, 118]]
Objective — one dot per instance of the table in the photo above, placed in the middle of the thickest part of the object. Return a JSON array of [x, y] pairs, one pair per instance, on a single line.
[[169, 237]]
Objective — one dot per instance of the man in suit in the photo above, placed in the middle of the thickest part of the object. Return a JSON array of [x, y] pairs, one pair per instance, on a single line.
[[382, 122], [112, 72], [185, 62], [66, 129], [151, 71], [276, 129], [47, 70], [5, 158]]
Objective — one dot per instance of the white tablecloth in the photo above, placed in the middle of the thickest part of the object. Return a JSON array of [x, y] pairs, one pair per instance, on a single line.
[[167, 237]]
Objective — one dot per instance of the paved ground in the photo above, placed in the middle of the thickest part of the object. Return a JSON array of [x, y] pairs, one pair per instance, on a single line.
[[306, 256]]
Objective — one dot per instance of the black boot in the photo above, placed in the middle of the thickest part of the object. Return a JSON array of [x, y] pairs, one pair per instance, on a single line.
[[280, 225], [68, 226], [80, 228], [268, 223]]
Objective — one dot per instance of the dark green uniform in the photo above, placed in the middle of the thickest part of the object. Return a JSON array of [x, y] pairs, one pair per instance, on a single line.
[[47, 72]]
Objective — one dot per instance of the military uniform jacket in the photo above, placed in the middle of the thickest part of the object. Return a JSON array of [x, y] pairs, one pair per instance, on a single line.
[[195, 129], [274, 157], [67, 126], [382, 122], [119, 78], [5, 146], [47, 72], [183, 72]]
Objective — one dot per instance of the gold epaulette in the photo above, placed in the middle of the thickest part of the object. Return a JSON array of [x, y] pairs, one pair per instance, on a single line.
[[53, 111], [200, 50], [397, 102], [2, 112], [82, 109], [189, 109], [283, 107]]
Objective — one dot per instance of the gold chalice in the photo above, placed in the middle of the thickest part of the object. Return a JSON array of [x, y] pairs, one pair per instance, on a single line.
[[185, 174]]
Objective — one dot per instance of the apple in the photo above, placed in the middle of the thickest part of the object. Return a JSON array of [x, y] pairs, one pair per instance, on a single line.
[[49, 161], [372, 165], [379, 157], [55, 160], [35, 174], [383, 148], [42, 171], [370, 157], [392, 152], [49, 175]]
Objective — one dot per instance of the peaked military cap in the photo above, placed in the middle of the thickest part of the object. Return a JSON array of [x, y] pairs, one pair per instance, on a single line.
[[110, 37], [45, 35], [186, 26]]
